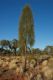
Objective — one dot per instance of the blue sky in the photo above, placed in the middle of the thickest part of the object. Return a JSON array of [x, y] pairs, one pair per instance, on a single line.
[[10, 11]]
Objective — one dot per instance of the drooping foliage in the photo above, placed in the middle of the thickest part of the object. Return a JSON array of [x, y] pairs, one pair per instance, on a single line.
[[26, 28]]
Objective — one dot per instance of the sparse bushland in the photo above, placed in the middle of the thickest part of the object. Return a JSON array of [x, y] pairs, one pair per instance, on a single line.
[[19, 61]]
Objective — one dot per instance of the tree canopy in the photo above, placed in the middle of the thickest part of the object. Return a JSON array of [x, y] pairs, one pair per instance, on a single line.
[[26, 28]]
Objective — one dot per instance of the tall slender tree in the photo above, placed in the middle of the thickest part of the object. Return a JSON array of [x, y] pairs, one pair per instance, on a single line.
[[26, 28]]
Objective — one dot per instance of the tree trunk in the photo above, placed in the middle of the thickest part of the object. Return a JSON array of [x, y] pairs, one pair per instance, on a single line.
[[2, 47], [15, 51], [25, 59]]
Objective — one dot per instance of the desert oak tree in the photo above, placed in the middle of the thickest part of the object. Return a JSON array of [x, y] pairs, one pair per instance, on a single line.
[[26, 28]]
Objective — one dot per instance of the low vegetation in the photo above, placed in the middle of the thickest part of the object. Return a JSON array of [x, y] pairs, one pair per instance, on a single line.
[[12, 67]]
